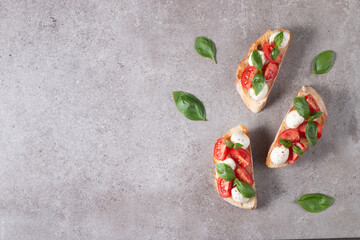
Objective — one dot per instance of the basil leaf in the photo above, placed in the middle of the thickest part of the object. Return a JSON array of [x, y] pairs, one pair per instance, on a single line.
[[205, 47], [244, 188], [315, 115], [302, 107], [229, 144], [323, 62], [315, 202], [311, 132], [237, 145], [256, 60], [190, 106], [278, 39], [297, 150], [275, 53], [258, 83], [285, 142], [225, 171]]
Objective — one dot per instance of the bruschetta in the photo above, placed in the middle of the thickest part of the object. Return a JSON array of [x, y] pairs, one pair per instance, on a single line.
[[256, 73], [234, 173], [302, 126]]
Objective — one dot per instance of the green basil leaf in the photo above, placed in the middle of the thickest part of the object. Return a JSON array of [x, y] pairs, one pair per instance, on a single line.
[[244, 188], [258, 83], [285, 142], [225, 171], [297, 150], [315, 115], [315, 202], [190, 106], [256, 60], [311, 132], [279, 39], [275, 53], [205, 47], [323, 62], [229, 144], [237, 145], [302, 107]]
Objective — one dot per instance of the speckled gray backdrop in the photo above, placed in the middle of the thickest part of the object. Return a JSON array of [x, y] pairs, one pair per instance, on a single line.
[[93, 147]]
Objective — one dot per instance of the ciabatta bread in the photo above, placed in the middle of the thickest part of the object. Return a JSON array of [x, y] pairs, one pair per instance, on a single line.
[[321, 120], [257, 105], [251, 204]]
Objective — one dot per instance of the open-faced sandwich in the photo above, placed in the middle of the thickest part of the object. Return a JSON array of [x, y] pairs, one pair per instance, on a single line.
[[302, 125], [256, 73], [234, 173]]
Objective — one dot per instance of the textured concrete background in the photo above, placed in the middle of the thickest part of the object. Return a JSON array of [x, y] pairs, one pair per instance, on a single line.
[[93, 147]]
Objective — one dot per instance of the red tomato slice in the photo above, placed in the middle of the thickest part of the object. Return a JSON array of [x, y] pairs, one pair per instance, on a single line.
[[224, 187], [241, 156], [243, 175], [302, 129], [267, 51], [293, 156], [291, 134], [314, 107], [247, 76], [220, 149], [270, 71]]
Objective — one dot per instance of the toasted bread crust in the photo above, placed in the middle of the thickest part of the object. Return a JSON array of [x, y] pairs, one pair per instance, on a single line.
[[302, 93], [257, 105], [251, 204]]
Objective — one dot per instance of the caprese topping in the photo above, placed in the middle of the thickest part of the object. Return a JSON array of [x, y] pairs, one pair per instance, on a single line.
[[301, 125], [233, 179], [264, 65]]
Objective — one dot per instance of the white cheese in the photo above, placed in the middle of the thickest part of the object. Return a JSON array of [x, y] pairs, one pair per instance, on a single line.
[[240, 137], [237, 196], [285, 41], [279, 155]]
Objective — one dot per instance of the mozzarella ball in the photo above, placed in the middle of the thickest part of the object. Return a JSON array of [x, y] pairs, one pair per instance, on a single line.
[[230, 162], [262, 55], [279, 155], [261, 95], [240, 137], [237, 196], [286, 38], [293, 119]]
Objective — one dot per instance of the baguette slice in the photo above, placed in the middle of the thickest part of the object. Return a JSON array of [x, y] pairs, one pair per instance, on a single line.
[[321, 120], [257, 105], [251, 204]]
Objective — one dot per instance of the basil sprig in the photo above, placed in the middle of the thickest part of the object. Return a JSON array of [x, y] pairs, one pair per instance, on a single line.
[[302, 107], [315, 202], [323, 62], [190, 106], [279, 39], [205, 47], [311, 132], [258, 83], [297, 150], [256, 60], [229, 144], [315, 115], [244, 188], [225, 171], [285, 142], [275, 53]]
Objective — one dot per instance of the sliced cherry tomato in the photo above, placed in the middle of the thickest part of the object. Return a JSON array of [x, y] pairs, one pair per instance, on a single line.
[[224, 187], [291, 134], [247, 76], [243, 175], [270, 71], [241, 156], [302, 129], [314, 107], [293, 156], [267, 51], [220, 149]]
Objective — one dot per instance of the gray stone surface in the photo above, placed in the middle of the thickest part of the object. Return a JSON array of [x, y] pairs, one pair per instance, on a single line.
[[93, 147]]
